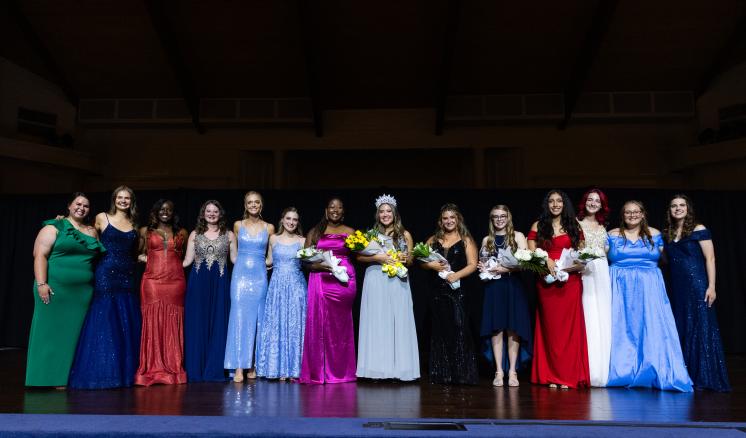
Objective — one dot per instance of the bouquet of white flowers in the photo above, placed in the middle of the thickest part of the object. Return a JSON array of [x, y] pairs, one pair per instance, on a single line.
[[313, 255], [566, 260], [309, 255], [424, 253], [534, 261], [587, 254], [487, 266], [339, 272]]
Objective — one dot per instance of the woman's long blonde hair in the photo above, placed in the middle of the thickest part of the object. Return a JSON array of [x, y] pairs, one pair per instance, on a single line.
[[509, 230]]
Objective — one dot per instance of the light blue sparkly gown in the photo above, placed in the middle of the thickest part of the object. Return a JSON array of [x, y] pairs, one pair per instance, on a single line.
[[248, 293], [645, 349], [281, 340]]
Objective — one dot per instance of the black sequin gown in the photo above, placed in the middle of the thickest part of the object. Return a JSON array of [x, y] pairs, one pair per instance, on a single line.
[[452, 357]]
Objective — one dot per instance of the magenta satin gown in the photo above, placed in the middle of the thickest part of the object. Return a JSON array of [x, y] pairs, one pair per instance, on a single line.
[[329, 343]]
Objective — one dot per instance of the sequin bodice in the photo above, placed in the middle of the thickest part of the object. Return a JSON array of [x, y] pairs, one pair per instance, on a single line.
[[210, 251], [116, 270], [284, 256], [595, 238]]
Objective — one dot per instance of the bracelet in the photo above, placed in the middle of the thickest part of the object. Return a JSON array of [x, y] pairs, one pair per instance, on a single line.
[[38, 284]]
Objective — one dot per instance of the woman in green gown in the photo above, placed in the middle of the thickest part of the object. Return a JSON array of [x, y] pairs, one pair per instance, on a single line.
[[64, 255]]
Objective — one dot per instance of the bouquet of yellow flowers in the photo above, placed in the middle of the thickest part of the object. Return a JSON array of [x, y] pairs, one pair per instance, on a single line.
[[396, 268], [366, 243]]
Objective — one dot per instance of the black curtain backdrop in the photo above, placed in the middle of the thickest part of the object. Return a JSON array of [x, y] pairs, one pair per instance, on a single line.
[[722, 211]]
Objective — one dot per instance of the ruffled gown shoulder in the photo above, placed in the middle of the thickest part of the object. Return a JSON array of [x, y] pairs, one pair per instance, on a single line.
[[696, 322], [55, 327]]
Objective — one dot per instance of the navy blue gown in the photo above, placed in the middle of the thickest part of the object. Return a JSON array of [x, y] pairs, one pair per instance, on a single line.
[[109, 344], [505, 308], [696, 323], [206, 309]]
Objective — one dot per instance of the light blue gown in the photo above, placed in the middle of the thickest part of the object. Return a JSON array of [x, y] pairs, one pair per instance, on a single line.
[[248, 293], [280, 343], [645, 349]]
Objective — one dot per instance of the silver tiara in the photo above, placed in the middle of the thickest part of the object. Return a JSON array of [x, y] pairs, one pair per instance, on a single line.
[[385, 199]]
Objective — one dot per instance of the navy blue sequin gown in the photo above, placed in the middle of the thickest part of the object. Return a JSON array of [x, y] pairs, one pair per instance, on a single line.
[[206, 308], [109, 345], [696, 323]]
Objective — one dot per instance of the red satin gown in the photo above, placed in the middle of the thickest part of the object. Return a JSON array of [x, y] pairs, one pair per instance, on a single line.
[[162, 303], [560, 346]]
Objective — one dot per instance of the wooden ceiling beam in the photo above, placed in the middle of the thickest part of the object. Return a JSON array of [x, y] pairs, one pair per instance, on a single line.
[[162, 26], [452, 19], [310, 53], [41, 50], [602, 17]]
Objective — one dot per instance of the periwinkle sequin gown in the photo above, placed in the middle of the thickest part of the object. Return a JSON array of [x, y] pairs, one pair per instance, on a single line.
[[248, 293], [280, 344], [329, 343], [696, 322], [109, 344]]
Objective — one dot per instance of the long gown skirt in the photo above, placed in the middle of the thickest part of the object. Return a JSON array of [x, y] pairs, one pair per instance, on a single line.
[[505, 309], [206, 309], [281, 340], [109, 345], [645, 349], [597, 311], [560, 346], [696, 322], [329, 342], [162, 303], [55, 327], [248, 291], [452, 356], [387, 344]]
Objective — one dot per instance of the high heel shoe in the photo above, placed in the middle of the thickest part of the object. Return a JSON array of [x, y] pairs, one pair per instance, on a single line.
[[238, 376], [513, 379], [498, 381], [251, 374]]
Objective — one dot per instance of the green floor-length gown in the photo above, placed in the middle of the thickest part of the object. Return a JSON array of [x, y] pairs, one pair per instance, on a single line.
[[55, 327]]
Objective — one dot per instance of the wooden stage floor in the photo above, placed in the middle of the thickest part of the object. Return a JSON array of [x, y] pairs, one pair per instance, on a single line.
[[379, 400]]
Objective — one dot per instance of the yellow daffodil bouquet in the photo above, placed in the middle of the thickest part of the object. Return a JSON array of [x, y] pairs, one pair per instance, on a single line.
[[365, 243], [396, 268]]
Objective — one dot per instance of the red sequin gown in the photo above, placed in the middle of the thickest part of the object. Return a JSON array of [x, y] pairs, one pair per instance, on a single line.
[[162, 304], [560, 346]]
